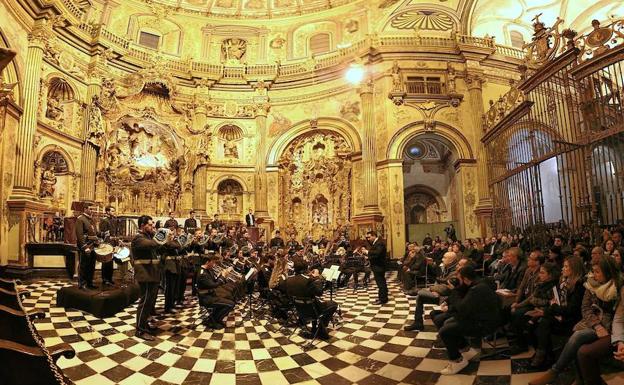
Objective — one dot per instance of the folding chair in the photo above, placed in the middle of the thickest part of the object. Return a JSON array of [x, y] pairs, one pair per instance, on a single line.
[[307, 312]]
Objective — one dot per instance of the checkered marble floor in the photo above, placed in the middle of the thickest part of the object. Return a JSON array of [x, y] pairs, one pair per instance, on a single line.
[[369, 347]]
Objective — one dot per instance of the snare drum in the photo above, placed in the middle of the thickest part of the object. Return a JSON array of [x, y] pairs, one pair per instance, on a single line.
[[104, 252], [121, 255]]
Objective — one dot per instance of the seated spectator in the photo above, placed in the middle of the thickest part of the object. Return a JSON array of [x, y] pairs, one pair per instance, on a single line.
[[304, 285], [476, 314], [591, 340], [445, 274], [617, 257], [596, 253], [512, 276], [555, 256], [524, 314], [609, 246], [414, 267], [448, 308], [560, 317], [530, 278]]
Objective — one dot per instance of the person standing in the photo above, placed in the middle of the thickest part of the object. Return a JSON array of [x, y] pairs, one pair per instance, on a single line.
[[277, 241], [378, 258], [250, 219], [171, 223], [190, 224], [85, 229], [109, 228], [146, 263]]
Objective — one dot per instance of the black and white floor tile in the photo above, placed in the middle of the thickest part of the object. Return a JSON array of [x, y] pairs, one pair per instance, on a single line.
[[369, 347]]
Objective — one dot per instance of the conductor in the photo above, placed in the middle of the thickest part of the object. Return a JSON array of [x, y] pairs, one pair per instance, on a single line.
[[378, 258]]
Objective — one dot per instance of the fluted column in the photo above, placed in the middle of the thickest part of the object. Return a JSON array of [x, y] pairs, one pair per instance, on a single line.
[[475, 94], [89, 148], [261, 197], [369, 150], [23, 178]]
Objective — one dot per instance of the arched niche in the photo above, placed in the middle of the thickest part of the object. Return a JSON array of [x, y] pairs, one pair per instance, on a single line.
[[11, 74], [452, 135], [339, 126], [61, 103], [230, 199], [230, 141], [55, 177]]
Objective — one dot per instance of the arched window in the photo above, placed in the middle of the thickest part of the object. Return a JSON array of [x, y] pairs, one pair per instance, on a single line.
[[320, 43], [517, 40]]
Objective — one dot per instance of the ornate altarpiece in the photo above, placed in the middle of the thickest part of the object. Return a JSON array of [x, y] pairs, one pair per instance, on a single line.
[[146, 165], [315, 184]]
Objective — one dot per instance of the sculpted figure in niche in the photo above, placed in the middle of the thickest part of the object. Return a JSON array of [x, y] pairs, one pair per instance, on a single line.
[[54, 110], [48, 180], [233, 49], [230, 149], [319, 210]]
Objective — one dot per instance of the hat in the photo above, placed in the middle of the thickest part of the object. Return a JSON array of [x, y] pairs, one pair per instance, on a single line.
[[161, 235]]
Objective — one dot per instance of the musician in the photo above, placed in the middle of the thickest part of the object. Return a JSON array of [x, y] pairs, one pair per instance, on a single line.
[[171, 223], [85, 236], [191, 223], [378, 258], [230, 239], [185, 269], [109, 227], [250, 219], [292, 243], [276, 241], [322, 243], [145, 256], [216, 223], [207, 285], [173, 274], [310, 285], [245, 241]]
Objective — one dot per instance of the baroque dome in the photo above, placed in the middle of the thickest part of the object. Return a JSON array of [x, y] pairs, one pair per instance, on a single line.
[[249, 8]]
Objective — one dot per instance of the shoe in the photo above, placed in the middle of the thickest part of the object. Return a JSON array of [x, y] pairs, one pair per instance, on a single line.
[[82, 287], [144, 335], [416, 326], [539, 359], [471, 354], [152, 327], [323, 335], [179, 306], [518, 349], [91, 286], [545, 378], [454, 367], [378, 302]]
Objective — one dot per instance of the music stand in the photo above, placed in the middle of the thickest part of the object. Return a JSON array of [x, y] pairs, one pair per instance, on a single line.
[[250, 282]]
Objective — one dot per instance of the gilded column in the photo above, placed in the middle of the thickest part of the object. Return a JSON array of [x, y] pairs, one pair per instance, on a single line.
[[474, 81], [92, 131], [261, 197], [23, 178], [369, 150]]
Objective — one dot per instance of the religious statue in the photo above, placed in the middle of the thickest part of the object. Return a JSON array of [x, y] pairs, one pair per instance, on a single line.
[[233, 49], [55, 109], [228, 204], [230, 149], [319, 210], [96, 124], [397, 84], [48, 180]]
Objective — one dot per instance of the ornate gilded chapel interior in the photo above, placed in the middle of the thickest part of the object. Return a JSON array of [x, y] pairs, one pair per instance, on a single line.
[[326, 119]]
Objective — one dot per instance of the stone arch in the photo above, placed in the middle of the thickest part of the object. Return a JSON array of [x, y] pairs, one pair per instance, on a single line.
[[221, 178], [459, 143], [337, 125], [56, 148], [243, 127], [74, 87], [11, 74], [428, 190]]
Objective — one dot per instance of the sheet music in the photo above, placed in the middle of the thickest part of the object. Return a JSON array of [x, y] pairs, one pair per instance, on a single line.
[[556, 295], [251, 272], [327, 274], [315, 249]]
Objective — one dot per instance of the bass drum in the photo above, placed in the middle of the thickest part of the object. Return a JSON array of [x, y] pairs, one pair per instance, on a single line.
[[104, 252], [121, 255]]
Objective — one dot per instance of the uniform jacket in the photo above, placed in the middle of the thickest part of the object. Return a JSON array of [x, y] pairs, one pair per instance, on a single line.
[[84, 228], [377, 255], [144, 248], [303, 286], [110, 224]]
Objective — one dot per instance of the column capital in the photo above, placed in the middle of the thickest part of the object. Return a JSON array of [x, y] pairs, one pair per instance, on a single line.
[[475, 80], [262, 109], [366, 87]]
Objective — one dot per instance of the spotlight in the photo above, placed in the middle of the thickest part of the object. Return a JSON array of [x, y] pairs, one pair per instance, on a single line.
[[355, 73]]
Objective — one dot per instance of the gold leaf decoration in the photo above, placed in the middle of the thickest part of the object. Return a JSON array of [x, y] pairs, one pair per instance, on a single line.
[[423, 19]]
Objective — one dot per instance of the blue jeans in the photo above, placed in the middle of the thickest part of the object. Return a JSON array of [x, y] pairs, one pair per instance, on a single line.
[[568, 354]]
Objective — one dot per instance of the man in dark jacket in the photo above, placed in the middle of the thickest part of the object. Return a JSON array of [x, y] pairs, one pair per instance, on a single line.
[[171, 223], [512, 276], [109, 227], [477, 314], [145, 259], [85, 236], [190, 223], [277, 241], [207, 284], [302, 285], [378, 259]]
